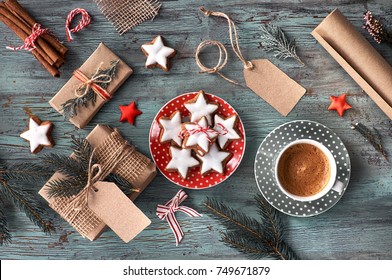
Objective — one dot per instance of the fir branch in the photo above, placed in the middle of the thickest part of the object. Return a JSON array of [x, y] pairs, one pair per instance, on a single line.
[[374, 138], [274, 39], [246, 234], [121, 183], [70, 107], [66, 187], [28, 205], [5, 236]]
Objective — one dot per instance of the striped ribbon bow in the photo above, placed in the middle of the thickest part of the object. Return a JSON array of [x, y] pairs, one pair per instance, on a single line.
[[29, 42], [167, 212], [199, 129]]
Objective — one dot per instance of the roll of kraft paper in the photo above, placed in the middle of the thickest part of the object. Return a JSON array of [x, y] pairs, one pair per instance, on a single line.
[[357, 56]]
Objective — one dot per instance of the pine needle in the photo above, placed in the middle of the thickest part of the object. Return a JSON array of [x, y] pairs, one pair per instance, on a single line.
[[374, 138], [249, 236], [5, 236], [274, 39], [70, 107]]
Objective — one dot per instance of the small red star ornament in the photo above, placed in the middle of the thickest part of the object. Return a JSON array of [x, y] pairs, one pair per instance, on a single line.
[[339, 104], [129, 113]]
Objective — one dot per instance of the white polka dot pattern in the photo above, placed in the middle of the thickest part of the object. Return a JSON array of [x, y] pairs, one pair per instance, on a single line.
[[275, 142]]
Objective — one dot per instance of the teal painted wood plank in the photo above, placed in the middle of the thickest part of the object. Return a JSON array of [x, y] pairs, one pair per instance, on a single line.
[[358, 227]]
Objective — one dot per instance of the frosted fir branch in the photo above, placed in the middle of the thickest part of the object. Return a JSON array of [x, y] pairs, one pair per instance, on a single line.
[[273, 39]]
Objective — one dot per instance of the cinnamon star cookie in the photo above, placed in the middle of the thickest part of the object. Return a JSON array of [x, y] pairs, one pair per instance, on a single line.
[[38, 134]]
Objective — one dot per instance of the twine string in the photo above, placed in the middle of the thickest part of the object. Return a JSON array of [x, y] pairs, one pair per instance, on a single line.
[[85, 21], [29, 42], [222, 50], [91, 83]]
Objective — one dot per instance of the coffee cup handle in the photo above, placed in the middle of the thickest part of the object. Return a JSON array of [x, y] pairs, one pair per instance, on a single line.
[[338, 186]]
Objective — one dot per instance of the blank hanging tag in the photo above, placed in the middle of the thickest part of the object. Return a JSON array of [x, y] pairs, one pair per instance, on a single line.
[[273, 85], [117, 211]]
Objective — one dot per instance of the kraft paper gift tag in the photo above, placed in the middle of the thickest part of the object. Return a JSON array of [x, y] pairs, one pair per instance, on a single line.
[[273, 85], [261, 75], [117, 211]]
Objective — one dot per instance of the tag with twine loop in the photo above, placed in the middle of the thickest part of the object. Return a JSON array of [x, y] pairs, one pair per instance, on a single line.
[[261, 76]]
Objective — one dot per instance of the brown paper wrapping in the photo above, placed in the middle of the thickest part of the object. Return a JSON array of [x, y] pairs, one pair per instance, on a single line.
[[141, 173], [357, 56], [89, 67]]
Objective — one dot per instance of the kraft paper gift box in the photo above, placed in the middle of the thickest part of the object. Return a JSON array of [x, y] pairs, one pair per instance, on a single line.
[[84, 114], [136, 168]]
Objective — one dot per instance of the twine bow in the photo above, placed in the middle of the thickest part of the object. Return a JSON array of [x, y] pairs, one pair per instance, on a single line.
[[167, 212], [199, 129], [29, 42], [222, 50], [85, 21], [96, 172], [91, 83]]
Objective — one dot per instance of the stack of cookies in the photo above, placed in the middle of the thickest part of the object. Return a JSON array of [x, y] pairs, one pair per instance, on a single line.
[[202, 142]]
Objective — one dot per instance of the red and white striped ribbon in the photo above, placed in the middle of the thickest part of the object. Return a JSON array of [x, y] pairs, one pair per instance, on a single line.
[[199, 129], [85, 21], [167, 212], [223, 128], [29, 42]]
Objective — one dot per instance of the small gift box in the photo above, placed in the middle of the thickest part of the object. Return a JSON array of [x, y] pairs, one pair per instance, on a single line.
[[131, 165], [91, 86]]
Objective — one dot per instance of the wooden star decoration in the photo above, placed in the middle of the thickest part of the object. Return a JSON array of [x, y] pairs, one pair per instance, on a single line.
[[339, 104], [129, 113]]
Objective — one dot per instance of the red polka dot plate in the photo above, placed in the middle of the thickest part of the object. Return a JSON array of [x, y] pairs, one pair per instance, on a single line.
[[160, 151]]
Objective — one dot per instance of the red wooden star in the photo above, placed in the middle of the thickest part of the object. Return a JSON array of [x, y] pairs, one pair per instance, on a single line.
[[339, 104], [129, 113]]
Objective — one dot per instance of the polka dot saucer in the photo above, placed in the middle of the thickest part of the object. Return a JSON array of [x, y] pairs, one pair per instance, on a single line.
[[269, 150], [160, 151]]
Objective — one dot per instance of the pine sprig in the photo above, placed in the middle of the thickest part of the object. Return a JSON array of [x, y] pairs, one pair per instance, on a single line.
[[274, 39], [5, 236], [248, 235], [373, 138], [70, 107]]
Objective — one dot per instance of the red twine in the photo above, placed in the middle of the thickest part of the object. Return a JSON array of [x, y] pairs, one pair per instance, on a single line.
[[167, 212], [199, 129], [85, 21], [29, 42]]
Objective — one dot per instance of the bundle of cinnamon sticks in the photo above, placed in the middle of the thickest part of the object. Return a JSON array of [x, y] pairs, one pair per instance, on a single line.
[[49, 51]]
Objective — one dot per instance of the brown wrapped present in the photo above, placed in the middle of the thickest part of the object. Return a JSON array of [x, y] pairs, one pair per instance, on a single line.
[[92, 84], [136, 168]]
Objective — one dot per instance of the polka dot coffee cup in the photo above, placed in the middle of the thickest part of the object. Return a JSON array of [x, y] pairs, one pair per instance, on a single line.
[[332, 184]]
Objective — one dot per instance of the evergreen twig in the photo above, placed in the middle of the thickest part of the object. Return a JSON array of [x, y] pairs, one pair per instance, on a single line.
[[5, 236], [70, 107], [274, 39], [373, 138], [248, 235]]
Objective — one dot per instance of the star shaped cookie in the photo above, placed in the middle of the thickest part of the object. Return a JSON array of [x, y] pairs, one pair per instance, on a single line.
[[199, 136], [129, 113], [171, 128], [38, 134], [200, 107], [158, 54], [227, 130], [339, 104], [215, 160], [181, 161]]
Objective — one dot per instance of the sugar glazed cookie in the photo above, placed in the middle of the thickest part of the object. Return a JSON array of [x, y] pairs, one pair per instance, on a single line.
[[38, 134], [227, 128], [215, 160], [158, 55], [181, 161], [198, 136], [200, 107], [171, 128]]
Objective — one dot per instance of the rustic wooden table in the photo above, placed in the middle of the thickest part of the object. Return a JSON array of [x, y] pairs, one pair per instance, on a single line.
[[358, 227]]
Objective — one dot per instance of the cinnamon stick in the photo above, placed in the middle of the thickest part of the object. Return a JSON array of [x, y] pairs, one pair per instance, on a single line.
[[20, 12], [21, 34], [39, 42]]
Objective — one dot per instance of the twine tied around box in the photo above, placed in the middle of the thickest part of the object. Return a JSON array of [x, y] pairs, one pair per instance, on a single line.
[[113, 151]]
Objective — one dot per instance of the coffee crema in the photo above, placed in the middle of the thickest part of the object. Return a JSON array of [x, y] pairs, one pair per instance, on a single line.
[[303, 170]]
